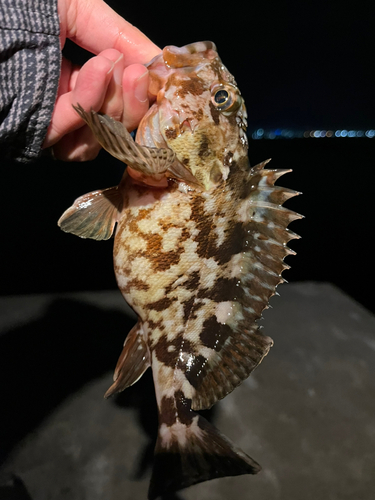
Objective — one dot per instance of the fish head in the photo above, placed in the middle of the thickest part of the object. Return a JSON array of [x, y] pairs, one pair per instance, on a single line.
[[198, 113]]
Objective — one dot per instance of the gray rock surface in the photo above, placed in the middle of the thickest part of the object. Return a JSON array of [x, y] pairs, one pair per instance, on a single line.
[[307, 414]]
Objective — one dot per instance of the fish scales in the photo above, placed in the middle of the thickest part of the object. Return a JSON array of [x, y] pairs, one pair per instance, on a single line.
[[199, 247]]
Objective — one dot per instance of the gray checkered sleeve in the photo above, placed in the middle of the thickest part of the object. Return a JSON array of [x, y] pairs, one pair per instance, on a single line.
[[30, 59]]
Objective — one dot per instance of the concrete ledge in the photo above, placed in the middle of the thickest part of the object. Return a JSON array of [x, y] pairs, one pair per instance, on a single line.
[[307, 414]]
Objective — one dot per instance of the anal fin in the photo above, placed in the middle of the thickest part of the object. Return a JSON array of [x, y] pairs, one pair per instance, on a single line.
[[132, 363]]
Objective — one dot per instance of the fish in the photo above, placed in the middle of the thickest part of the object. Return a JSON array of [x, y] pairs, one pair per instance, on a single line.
[[199, 250]]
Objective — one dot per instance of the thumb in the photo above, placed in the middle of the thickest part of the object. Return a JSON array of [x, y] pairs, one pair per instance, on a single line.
[[93, 25]]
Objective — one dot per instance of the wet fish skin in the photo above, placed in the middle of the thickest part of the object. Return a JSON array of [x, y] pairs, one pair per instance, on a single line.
[[198, 252]]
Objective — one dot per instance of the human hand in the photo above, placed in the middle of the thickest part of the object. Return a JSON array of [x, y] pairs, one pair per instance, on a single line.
[[115, 82]]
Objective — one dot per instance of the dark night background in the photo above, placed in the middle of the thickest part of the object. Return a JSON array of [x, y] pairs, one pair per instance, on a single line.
[[299, 65], [302, 65]]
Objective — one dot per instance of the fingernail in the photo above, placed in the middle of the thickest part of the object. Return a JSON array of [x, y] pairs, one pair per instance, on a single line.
[[117, 71], [141, 87]]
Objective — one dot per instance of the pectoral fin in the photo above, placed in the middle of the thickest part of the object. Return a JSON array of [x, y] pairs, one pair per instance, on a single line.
[[114, 137], [132, 363], [93, 215]]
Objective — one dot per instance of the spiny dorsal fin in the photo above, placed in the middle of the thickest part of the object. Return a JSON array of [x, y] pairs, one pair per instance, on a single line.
[[132, 363], [249, 281], [93, 215]]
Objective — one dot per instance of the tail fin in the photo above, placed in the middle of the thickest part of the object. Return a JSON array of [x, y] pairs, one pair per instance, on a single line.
[[188, 454]]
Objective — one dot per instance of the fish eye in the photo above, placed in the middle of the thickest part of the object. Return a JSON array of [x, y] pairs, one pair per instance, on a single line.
[[226, 98], [221, 97]]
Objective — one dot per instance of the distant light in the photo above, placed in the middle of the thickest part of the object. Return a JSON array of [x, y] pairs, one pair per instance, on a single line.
[[287, 133]]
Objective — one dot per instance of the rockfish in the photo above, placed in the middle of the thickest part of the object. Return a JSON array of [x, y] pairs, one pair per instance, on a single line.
[[198, 252]]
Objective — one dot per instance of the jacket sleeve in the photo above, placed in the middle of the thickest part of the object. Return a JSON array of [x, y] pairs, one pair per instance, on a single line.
[[30, 59]]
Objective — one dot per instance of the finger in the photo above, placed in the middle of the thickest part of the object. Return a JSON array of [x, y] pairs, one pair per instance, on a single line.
[[113, 104], [65, 76], [90, 90], [80, 145], [135, 95], [93, 25]]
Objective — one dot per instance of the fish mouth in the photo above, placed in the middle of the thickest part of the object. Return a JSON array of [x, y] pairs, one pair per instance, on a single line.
[[189, 55], [170, 53]]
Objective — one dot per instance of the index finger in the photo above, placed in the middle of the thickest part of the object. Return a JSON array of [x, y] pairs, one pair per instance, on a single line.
[[93, 25]]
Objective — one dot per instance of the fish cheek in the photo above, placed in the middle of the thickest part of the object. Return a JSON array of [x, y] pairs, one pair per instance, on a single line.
[[215, 114]]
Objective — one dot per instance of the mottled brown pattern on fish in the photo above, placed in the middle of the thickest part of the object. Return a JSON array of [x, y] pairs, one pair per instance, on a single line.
[[183, 406], [196, 370], [224, 289], [215, 114], [195, 86], [191, 306], [169, 351], [232, 119], [171, 133], [165, 351], [136, 284], [217, 67], [133, 221], [167, 408], [166, 260], [155, 325], [184, 304], [204, 149], [233, 244], [227, 160], [198, 115], [214, 334], [162, 304], [206, 238], [192, 282]]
